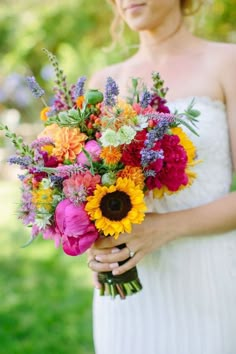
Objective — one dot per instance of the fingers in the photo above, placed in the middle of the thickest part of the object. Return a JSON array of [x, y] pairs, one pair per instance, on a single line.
[[101, 267], [108, 242], [110, 262], [115, 255], [127, 265]]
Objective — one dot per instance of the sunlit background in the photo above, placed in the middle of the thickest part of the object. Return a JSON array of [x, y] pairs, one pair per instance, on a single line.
[[45, 296]]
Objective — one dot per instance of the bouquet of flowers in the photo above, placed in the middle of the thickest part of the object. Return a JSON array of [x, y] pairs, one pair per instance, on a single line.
[[88, 171]]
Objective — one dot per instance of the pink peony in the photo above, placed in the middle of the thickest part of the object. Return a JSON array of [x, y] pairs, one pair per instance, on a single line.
[[52, 233], [77, 232], [93, 148]]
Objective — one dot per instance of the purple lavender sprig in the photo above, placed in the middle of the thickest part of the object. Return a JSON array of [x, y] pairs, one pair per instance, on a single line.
[[34, 87], [23, 161], [111, 92], [148, 156], [40, 142], [145, 99], [164, 121], [63, 171], [79, 88]]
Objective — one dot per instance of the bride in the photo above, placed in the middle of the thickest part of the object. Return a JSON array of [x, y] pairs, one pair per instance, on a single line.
[[185, 250]]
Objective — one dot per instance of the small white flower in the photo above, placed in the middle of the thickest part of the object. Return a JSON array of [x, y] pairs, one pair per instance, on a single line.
[[126, 134], [109, 138], [141, 122], [42, 218], [46, 183]]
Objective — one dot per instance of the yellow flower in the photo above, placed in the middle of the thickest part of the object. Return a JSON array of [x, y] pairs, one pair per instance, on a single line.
[[43, 113], [68, 141], [127, 110], [121, 114], [133, 173], [42, 198], [115, 208], [111, 155], [186, 143]]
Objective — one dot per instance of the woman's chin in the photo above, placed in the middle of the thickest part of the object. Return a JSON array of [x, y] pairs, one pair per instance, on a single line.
[[139, 25]]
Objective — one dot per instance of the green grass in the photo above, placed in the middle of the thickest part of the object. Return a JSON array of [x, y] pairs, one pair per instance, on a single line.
[[45, 296], [234, 183]]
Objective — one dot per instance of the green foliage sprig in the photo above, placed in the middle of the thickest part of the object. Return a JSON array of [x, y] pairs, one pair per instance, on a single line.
[[21, 148], [188, 118]]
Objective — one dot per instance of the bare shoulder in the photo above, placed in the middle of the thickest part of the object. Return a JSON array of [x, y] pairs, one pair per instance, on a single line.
[[221, 62], [223, 55]]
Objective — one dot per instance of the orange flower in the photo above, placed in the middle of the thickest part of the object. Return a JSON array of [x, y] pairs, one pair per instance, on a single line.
[[133, 173], [43, 113], [68, 141], [79, 102], [122, 113], [111, 155]]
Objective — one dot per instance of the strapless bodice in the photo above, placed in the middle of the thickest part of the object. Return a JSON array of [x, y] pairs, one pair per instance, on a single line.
[[214, 173]]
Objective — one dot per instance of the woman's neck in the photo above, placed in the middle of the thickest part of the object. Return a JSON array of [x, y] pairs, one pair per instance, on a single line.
[[165, 40]]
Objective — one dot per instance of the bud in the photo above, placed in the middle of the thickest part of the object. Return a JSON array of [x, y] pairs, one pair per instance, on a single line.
[[108, 179], [93, 97]]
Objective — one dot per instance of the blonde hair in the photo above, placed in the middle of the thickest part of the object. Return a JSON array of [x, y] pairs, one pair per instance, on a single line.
[[190, 7]]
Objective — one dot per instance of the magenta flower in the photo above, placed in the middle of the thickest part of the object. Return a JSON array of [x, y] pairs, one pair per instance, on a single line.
[[77, 232], [93, 148], [159, 104], [171, 171]]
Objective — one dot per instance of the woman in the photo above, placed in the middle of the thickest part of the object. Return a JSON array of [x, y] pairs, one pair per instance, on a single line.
[[186, 247]]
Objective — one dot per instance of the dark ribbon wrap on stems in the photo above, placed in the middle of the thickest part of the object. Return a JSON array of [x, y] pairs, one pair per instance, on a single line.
[[124, 285]]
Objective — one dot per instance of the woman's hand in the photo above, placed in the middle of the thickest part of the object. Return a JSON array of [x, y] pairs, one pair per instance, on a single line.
[[154, 232]]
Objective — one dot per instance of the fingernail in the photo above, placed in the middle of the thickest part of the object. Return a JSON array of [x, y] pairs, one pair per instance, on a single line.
[[115, 250], [98, 258], [115, 272], [113, 265]]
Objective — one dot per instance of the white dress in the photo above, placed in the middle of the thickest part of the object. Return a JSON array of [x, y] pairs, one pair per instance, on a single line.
[[188, 301]]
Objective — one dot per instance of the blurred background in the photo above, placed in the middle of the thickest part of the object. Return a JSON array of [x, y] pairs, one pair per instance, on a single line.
[[45, 296]]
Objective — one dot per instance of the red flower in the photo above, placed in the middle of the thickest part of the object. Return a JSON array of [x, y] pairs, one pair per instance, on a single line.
[[131, 154], [49, 161], [172, 171], [159, 104]]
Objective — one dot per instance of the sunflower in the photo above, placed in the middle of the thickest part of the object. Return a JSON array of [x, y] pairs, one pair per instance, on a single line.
[[115, 208]]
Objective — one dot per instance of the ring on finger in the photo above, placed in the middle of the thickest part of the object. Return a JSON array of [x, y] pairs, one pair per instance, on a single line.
[[131, 253]]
